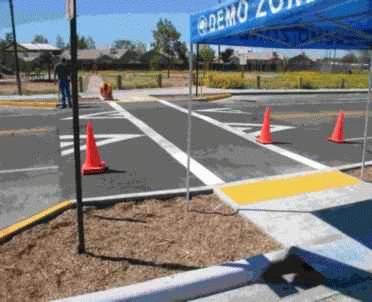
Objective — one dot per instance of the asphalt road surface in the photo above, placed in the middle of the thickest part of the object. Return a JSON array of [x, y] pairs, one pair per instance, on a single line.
[[145, 144]]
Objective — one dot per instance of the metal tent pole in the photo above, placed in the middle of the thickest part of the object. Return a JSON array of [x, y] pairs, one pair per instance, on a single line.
[[366, 116], [197, 69], [189, 128]]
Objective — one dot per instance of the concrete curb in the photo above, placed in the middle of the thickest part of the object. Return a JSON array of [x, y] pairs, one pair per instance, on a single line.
[[35, 219], [161, 194], [204, 98], [295, 91], [189, 285], [53, 211], [353, 166]]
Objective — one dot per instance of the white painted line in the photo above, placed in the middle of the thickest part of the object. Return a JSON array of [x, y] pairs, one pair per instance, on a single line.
[[65, 144], [244, 125], [107, 139], [29, 169], [248, 126], [225, 110], [356, 139], [97, 115], [202, 173], [296, 157]]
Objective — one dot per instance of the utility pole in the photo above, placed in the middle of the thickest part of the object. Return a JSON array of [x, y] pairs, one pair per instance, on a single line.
[[15, 48]]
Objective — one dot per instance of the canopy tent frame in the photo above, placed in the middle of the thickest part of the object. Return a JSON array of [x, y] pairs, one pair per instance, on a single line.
[[328, 39]]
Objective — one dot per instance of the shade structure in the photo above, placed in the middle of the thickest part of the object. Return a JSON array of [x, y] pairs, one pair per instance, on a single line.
[[291, 24], [295, 24]]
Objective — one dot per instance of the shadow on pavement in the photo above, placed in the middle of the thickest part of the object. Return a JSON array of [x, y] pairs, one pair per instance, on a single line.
[[353, 220], [111, 171], [301, 270]]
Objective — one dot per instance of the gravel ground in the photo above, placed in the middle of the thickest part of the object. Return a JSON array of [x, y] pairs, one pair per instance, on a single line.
[[125, 243]]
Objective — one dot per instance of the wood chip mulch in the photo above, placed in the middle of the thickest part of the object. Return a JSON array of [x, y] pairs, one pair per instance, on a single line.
[[126, 243], [356, 172]]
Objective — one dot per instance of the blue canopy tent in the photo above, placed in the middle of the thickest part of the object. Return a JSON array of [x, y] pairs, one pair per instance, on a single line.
[[315, 24], [291, 24]]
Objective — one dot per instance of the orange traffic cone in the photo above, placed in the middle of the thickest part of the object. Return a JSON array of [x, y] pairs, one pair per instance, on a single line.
[[93, 163], [265, 137], [338, 132]]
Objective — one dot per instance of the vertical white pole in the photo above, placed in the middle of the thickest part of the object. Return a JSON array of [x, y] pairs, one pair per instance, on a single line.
[[366, 117], [189, 129]]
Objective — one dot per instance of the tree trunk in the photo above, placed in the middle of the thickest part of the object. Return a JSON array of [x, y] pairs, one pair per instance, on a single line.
[[168, 67], [49, 73]]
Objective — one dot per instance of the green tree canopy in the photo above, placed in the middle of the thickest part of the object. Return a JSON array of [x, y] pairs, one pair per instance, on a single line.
[[226, 55], [349, 58], [135, 46], [9, 37], [166, 37], [363, 57], [60, 43], [90, 43], [38, 38], [206, 54], [84, 42], [126, 44]]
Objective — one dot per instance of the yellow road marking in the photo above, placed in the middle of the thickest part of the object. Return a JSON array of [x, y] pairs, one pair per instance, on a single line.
[[23, 131], [246, 193], [21, 103], [33, 219], [289, 115]]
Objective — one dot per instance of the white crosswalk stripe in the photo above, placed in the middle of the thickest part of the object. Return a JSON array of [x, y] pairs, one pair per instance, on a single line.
[[101, 139]]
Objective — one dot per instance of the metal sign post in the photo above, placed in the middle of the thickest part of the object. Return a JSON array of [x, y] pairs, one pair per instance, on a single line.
[[15, 48], [71, 14]]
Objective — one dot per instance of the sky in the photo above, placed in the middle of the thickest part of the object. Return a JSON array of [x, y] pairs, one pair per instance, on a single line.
[[107, 20]]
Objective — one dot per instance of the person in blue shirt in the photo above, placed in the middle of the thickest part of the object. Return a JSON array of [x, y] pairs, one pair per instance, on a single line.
[[62, 72]]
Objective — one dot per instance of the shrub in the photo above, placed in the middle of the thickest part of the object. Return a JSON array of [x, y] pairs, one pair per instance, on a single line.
[[6, 70], [225, 81]]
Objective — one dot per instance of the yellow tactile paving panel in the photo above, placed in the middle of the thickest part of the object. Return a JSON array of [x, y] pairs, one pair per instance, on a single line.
[[145, 98], [246, 193]]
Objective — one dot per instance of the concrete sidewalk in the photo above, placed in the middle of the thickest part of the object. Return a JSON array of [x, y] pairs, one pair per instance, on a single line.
[[176, 91], [327, 253]]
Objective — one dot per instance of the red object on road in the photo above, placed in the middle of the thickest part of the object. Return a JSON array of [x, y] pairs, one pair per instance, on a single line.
[[338, 132], [265, 137], [93, 163]]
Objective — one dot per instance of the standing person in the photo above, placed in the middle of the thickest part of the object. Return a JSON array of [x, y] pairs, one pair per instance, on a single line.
[[63, 74]]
